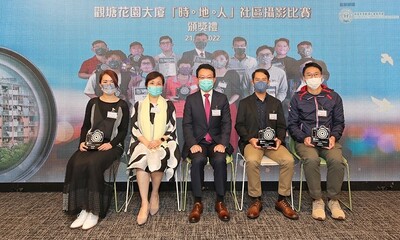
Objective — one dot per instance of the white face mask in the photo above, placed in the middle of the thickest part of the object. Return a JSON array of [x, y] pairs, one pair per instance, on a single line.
[[314, 83]]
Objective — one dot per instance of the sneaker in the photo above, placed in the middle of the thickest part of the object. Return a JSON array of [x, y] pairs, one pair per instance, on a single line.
[[336, 210], [318, 210], [90, 221], [79, 220]]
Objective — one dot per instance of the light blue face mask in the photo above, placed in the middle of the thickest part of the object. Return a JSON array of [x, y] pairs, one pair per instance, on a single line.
[[260, 87], [206, 84], [108, 88], [154, 91]]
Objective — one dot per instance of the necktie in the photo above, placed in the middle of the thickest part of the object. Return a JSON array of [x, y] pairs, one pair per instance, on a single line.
[[207, 108]]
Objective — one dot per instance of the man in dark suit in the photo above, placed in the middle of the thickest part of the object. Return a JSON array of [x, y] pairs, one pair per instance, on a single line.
[[256, 112], [198, 55], [206, 130]]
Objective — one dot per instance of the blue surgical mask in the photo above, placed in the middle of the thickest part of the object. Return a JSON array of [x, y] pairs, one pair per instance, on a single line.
[[206, 84], [155, 91], [108, 88], [260, 87]]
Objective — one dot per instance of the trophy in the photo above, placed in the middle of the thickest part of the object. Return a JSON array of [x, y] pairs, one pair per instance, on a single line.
[[94, 139], [266, 137], [183, 92], [320, 136]]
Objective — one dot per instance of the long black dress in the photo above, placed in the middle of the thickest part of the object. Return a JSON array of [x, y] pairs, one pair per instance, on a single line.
[[84, 179]]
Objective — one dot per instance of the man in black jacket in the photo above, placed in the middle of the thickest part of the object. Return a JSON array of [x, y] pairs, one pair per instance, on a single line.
[[314, 106], [257, 112]]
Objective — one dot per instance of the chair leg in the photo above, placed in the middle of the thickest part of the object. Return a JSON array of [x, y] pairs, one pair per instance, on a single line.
[[233, 186], [128, 196], [291, 195], [185, 180], [243, 178], [349, 205], [177, 189], [301, 186]]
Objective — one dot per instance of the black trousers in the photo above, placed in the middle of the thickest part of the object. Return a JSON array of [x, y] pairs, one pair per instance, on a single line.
[[218, 163]]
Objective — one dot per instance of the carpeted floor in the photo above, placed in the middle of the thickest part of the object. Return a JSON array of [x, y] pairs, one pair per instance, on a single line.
[[38, 216]]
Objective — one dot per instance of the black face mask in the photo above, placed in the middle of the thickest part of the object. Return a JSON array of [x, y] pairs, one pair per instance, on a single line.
[[200, 45], [240, 51]]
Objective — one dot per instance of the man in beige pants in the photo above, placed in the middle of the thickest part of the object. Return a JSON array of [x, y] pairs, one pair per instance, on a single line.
[[256, 112]]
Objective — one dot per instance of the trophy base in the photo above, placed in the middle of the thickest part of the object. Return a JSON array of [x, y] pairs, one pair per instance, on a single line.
[[266, 143], [92, 147], [321, 142]]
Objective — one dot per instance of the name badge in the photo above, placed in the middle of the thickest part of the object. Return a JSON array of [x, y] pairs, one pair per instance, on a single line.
[[322, 113], [154, 110], [216, 112], [273, 116], [222, 84], [112, 115]]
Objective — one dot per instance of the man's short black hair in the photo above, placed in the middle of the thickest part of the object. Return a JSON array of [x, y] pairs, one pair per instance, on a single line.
[[205, 66], [165, 37], [262, 70], [282, 40], [312, 64], [259, 49], [304, 43], [239, 39]]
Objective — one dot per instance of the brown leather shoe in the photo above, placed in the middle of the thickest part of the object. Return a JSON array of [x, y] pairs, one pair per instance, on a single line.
[[284, 207], [254, 210], [196, 212], [222, 211]]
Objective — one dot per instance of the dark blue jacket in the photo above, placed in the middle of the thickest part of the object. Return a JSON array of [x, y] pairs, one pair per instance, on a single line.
[[303, 113]]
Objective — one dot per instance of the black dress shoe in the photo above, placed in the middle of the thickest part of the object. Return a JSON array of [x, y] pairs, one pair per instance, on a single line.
[[222, 211], [196, 212], [254, 210]]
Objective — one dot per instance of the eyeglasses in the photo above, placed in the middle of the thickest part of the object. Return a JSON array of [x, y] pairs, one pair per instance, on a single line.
[[165, 43], [312, 75]]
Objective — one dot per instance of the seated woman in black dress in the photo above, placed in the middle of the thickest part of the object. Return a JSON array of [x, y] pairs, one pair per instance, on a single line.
[[154, 148], [101, 143]]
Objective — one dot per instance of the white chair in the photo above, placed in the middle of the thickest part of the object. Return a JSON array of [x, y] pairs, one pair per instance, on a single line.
[[130, 188], [229, 161], [265, 162]]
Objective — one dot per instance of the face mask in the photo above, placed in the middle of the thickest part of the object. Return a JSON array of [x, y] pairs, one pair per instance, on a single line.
[[185, 70], [305, 52], [219, 64], [134, 58], [100, 51], [264, 59], [154, 91], [114, 64], [200, 45], [240, 50], [206, 84], [260, 87], [314, 83], [108, 88]]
